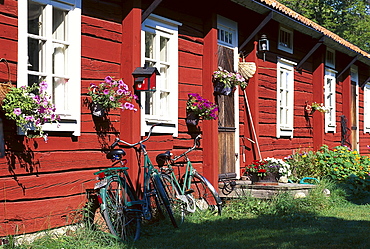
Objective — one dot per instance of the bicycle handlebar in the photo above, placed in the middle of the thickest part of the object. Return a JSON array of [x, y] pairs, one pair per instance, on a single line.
[[118, 140], [196, 141]]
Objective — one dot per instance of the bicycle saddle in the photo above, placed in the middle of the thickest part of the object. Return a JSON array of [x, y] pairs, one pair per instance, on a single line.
[[116, 154], [162, 158]]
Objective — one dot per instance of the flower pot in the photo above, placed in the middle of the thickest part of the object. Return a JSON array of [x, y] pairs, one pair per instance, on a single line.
[[222, 89], [192, 118], [98, 110], [268, 179]]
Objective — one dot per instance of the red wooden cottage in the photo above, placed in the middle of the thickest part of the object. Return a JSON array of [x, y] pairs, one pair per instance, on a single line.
[[72, 43]]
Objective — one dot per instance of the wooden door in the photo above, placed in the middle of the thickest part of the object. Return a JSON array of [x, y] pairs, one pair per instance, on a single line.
[[354, 116], [226, 120]]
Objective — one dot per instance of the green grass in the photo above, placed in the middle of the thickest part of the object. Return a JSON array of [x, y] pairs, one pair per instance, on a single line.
[[284, 222]]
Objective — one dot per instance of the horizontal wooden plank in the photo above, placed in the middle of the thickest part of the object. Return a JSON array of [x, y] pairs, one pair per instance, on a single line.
[[43, 186], [190, 76], [8, 49], [9, 8], [101, 28], [190, 60], [31, 216], [100, 49], [94, 71], [190, 46]]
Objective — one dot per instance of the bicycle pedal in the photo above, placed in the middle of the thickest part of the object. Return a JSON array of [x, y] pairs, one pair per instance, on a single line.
[[189, 191]]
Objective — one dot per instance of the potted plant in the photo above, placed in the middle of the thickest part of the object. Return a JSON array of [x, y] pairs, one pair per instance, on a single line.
[[110, 94], [310, 109], [225, 81], [267, 170], [198, 107], [30, 107]]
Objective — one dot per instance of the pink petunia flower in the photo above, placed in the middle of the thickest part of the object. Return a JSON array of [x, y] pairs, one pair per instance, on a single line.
[[17, 111]]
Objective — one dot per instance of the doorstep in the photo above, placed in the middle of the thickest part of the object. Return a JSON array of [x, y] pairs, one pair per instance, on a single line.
[[240, 188]]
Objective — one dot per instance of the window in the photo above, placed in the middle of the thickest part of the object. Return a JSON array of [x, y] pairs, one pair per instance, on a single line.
[[285, 98], [330, 58], [367, 108], [49, 48], [329, 96], [160, 50], [285, 40], [227, 32]]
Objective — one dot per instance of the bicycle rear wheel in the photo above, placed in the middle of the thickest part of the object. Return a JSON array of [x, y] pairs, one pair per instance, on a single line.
[[164, 204], [178, 204], [206, 196], [122, 220]]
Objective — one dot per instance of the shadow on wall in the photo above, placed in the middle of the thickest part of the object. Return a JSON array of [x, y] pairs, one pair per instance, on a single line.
[[18, 150], [102, 125]]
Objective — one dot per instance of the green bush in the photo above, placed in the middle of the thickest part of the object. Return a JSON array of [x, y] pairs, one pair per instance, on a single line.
[[340, 164]]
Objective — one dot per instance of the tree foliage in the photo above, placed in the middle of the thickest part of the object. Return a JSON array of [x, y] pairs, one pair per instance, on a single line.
[[350, 19]]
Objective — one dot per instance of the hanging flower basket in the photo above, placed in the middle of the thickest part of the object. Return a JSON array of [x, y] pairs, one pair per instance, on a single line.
[[109, 95], [225, 81], [221, 88], [199, 108], [5, 87], [98, 110], [192, 118]]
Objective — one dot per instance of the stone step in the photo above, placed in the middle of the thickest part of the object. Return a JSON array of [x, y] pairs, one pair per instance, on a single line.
[[265, 190]]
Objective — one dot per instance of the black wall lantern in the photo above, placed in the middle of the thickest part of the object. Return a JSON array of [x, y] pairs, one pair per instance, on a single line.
[[263, 45], [145, 78]]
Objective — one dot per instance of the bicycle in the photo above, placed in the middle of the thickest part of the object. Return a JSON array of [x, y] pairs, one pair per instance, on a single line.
[[190, 191], [119, 204], [154, 196]]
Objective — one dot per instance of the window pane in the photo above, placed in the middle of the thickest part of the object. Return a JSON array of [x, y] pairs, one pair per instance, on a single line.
[[163, 78], [35, 22], [36, 55], [149, 45], [59, 24], [60, 94], [149, 103], [59, 57], [163, 48]]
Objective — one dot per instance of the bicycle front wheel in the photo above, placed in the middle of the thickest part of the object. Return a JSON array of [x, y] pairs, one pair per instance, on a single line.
[[123, 221], [178, 201], [163, 201], [206, 196]]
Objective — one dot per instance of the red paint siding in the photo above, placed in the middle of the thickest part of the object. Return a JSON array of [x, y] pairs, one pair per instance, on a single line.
[[44, 184]]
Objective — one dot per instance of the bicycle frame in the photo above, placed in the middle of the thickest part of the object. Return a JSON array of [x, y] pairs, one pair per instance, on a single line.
[[149, 171]]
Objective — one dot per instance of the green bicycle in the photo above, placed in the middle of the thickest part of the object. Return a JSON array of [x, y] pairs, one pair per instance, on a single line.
[[155, 201], [119, 204], [189, 191]]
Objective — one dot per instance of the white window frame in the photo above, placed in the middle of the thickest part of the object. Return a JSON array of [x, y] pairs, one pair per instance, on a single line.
[[285, 98], [330, 100], [71, 119], [367, 108], [227, 34], [280, 43], [169, 118], [330, 63]]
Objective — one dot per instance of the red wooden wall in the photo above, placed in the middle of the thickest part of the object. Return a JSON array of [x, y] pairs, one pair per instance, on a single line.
[[43, 185]]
